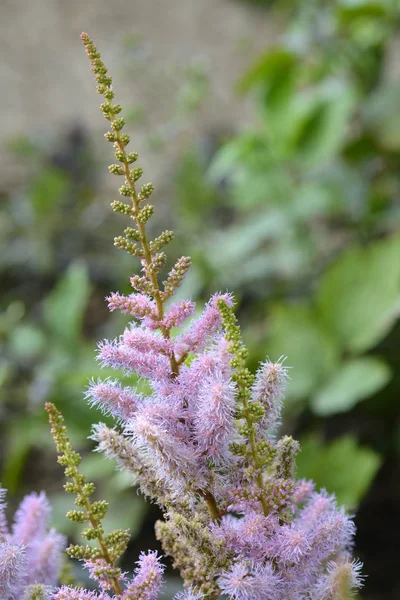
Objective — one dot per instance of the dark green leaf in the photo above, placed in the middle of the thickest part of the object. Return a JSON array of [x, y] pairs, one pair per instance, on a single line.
[[359, 295], [295, 332], [354, 381], [342, 467], [65, 307]]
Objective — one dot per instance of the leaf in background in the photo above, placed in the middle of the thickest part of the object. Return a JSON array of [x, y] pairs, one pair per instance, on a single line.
[[229, 159], [47, 190], [341, 467], [23, 433], [327, 111], [27, 342], [65, 307], [269, 67], [381, 115], [295, 332], [275, 72], [353, 382], [355, 9], [359, 295]]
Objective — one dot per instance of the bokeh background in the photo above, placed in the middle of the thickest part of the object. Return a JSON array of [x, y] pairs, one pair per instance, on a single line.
[[271, 130]]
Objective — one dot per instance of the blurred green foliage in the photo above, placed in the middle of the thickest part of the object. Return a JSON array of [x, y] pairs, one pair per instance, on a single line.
[[310, 238], [56, 268]]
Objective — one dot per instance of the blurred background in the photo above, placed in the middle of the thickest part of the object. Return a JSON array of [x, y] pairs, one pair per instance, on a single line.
[[271, 130]]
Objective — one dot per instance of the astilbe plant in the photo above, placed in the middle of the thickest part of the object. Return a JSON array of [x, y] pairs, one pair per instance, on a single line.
[[30, 553], [202, 443]]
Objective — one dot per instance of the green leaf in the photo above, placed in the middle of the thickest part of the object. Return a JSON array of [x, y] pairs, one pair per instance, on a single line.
[[341, 467], [47, 191], [327, 111], [24, 432], [271, 66], [359, 295], [295, 332], [64, 308], [350, 10], [27, 342], [353, 382]]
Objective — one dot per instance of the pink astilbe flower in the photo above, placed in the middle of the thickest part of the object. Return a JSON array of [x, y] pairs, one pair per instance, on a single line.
[[340, 583], [44, 556], [145, 364], [245, 581], [71, 593], [332, 535], [100, 571], [202, 442], [12, 569], [31, 519], [143, 340], [247, 535], [290, 545], [319, 504], [31, 553], [201, 330], [164, 451], [303, 491], [215, 360], [147, 582], [268, 388], [213, 416], [178, 313], [139, 306], [112, 398]]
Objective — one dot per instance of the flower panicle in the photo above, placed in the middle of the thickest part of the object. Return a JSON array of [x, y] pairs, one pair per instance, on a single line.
[[201, 441]]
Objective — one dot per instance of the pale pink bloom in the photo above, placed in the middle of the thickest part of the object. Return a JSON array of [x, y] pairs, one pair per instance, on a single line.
[[246, 581], [247, 535], [140, 306], [143, 340], [147, 582], [99, 570], [303, 491], [213, 416], [31, 519], [178, 313], [333, 534], [70, 593], [145, 364], [289, 544], [12, 568], [201, 330], [112, 398], [268, 388], [318, 504], [44, 558], [340, 582], [157, 434]]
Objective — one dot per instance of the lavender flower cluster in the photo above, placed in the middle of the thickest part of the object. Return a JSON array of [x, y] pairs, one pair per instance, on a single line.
[[31, 553], [198, 434], [247, 531]]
